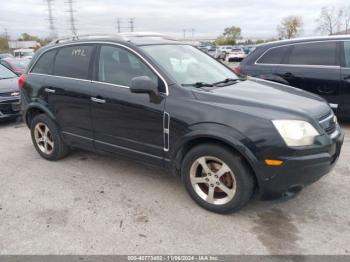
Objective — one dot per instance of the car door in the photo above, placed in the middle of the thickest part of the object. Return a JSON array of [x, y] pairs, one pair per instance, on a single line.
[[124, 122], [344, 106], [67, 92], [314, 67]]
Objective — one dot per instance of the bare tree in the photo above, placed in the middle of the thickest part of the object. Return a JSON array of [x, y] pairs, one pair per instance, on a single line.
[[290, 27], [330, 20], [346, 19]]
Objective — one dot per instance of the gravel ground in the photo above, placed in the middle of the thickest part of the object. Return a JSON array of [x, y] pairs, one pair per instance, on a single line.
[[92, 204]]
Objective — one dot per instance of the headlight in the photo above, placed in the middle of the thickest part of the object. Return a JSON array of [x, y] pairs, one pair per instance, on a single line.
[[296, 132]]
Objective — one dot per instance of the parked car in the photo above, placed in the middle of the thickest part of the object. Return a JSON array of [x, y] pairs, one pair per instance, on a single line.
[[165, 103], [222, 51], [320, 65], [5, 55], [212, 51], [16, 65], [24, 53], [235, 55], [9, 94]]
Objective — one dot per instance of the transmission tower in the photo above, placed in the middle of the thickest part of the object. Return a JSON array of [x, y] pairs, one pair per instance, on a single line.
[[71, 12], [131, 21], [51, 19]]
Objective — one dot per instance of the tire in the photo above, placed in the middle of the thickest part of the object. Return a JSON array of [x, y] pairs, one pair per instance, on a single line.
[[47, 142], [238, 181]]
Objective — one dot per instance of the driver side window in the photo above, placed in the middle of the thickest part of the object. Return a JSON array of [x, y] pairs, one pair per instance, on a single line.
[[119, 66]]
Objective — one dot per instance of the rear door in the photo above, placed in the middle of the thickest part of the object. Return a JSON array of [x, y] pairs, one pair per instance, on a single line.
[[344, 105], [124, 122], [67, 92], [314, 67]]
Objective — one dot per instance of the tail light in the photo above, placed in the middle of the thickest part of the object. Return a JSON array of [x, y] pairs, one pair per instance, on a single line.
[[237, 70], [21, 82]]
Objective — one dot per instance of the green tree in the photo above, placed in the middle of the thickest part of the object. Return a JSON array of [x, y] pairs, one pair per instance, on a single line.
[[3, 43], [230, 36]]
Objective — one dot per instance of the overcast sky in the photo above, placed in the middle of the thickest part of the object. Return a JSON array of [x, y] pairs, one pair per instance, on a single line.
[[257, 18]]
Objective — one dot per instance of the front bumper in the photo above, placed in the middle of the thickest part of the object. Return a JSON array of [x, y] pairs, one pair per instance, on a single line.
[[9, 108], [298, 171]]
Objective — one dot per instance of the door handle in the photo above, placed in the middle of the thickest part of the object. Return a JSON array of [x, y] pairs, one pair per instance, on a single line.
[[98, 100], [49, 90]]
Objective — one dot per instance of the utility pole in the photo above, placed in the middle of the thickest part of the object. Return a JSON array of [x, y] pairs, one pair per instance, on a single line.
[[118, 24], [6, 35], [184, 30], [131, 21], [51, 19], [192, 32], [71, 17]]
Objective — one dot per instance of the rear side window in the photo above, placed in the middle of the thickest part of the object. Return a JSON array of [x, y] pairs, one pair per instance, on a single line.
[[273, 56], [314, 54], [347, 53], [73, 61], [45, 63]]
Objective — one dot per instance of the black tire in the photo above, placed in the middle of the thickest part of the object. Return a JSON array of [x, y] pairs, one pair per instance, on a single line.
[[59, 149], [244, 178]]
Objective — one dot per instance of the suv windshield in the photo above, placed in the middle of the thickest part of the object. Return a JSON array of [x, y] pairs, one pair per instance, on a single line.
[[187, 65], [6, 73]]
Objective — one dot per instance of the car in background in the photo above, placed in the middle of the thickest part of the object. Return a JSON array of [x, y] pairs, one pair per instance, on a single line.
[[9, 94], [16, 65], [222, 51], [24, 53], [5, 55], [320, 65], [235, 55], [211, 51]]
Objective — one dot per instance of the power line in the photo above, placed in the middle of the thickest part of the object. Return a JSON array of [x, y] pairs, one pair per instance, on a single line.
[[71, 17]]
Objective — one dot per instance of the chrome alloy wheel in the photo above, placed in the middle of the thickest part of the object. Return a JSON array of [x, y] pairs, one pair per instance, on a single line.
[[43, 138], [213, 180]]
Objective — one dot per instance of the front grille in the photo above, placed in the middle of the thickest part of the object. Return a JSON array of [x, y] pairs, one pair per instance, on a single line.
[[9, 108], [328, 123]]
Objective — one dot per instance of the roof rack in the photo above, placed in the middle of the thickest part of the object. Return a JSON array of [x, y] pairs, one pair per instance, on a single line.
[[121, 36], [82, 37]]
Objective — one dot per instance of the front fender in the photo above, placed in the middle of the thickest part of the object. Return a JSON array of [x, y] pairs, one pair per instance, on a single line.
[[218, 132]]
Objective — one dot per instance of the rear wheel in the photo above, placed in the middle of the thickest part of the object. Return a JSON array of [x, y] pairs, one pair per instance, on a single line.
[[47, 139], [217, 179]]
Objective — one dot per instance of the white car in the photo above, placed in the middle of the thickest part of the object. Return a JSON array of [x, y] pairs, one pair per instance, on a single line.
[[235, 55], [24, 53], [221, 51]]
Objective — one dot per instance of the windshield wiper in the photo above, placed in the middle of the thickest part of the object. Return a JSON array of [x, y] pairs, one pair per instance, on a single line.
[[199, 84], [227, 80]]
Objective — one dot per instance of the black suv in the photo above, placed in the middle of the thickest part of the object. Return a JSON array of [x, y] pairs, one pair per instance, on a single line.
[[169, 104], [319, 65]]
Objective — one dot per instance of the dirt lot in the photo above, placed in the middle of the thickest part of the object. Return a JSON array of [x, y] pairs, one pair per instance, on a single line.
[[90, 204]]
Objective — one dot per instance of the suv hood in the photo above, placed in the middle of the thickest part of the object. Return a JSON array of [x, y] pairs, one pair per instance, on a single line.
[[267, 99], [8, 85]]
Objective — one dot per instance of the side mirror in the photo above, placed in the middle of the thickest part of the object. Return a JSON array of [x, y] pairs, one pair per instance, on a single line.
[[144, 85]]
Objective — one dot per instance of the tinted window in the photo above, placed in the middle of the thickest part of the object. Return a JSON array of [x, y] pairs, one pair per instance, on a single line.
[[347, 53], [314, 54], [274, 55], [73, 61], [118, 66], [45, 63]]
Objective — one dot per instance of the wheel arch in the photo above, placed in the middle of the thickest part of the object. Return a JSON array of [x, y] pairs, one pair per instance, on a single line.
[[35, 109], [232, 144]]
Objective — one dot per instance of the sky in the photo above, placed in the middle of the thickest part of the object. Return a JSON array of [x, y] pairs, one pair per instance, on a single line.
[[256, 18]]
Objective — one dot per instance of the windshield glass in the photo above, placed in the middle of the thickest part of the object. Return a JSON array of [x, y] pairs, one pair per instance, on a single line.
[[6, 73], [188, 65]]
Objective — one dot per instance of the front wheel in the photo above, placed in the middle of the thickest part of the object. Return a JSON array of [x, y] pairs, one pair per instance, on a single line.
[[217, 179]]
